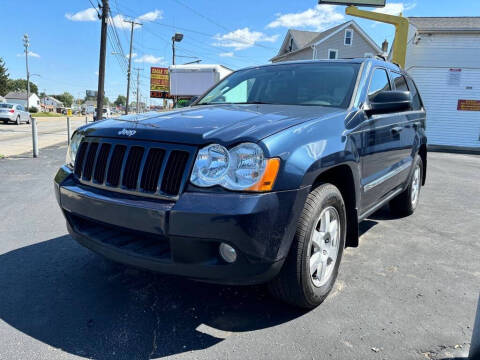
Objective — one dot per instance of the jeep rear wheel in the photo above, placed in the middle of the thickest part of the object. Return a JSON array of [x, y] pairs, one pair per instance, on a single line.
[[311, 267]]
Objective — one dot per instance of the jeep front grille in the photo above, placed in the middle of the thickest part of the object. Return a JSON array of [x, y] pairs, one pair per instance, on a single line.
[[149, 169]]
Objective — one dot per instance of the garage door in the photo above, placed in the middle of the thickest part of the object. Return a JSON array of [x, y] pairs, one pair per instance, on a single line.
[[441, 90]]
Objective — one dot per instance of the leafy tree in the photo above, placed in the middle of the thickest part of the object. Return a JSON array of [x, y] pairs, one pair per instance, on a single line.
[[66, 98], [121, 101], [21, 85], [3, 78], [106, 101]]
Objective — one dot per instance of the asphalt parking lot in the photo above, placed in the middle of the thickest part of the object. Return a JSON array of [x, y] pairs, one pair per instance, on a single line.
[[408, 292]]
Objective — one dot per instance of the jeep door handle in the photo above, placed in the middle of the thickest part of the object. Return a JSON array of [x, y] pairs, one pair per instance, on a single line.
[[396, 130]]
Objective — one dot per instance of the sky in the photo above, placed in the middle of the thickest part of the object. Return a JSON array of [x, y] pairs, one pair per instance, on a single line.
[[65, 35]]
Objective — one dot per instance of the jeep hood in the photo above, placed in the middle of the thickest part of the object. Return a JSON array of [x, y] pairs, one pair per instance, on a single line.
[[224, 124]]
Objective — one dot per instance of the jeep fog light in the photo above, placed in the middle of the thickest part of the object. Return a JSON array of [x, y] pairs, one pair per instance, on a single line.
[[228, 253]]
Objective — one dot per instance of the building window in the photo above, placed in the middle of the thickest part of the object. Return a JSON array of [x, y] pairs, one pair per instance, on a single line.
[[348, 37], [332, 54], [290, 48]]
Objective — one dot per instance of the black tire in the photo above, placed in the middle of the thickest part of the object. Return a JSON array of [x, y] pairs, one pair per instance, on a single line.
[[18, 120], [28, 120], [295, 284], [404, 204]]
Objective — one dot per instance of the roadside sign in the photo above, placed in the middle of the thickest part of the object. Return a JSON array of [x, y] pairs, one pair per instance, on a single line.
[[159, 82], [468, 105], [370, 3], [160, 95], [91, 93]]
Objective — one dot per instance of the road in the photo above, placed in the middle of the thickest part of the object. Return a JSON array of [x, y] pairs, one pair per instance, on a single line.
[[17, 139], [408, 292]]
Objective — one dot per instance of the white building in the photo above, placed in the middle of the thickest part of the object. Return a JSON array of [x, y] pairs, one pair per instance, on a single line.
[[347, 40], [443, 57], [20, 97], [51, 104]]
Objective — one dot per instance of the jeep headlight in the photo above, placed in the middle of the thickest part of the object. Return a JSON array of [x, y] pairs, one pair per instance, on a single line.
[[242, 168], [73, 148]]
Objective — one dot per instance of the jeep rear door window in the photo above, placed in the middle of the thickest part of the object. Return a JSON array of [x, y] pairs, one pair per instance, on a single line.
[[379, 83], [400, 82], [314, 84], [416, 101]]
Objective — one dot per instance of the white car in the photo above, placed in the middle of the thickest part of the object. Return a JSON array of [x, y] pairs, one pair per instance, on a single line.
[[14, 113]]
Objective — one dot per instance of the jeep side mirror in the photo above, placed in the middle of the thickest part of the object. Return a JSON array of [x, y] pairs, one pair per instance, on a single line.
[[389, 101]]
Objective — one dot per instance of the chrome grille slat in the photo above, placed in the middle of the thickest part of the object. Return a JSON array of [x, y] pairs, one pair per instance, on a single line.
[[137, 168]]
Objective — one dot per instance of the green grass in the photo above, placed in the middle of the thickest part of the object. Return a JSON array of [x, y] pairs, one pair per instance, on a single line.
[[46, 114], [2, 156]]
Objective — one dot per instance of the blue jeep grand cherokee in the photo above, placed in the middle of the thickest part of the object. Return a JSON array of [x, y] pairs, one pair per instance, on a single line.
[[264, 179]]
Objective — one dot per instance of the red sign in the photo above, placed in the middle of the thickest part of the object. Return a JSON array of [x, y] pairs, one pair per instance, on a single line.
[[468, 105], [160, 95]]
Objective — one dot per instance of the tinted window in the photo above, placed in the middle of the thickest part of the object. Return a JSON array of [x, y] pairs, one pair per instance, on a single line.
[[6, 106], [400, 82], [20, 107], [416, 101], [379, 83], [320, 84]]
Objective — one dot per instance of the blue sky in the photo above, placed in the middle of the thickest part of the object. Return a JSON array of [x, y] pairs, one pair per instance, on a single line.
[[65, 35]]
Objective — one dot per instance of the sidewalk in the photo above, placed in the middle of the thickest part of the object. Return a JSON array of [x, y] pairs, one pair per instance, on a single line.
[[17, 139]]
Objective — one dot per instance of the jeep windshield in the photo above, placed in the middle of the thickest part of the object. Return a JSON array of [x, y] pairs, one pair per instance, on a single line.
[[317, 84]]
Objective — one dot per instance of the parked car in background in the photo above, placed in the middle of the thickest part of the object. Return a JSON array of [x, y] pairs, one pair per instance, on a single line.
[[106, 113], [14, 113], [264, 179]]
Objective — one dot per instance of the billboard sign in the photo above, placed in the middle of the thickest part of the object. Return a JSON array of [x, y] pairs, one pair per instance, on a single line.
[[370, 3], [91, 93], [159, 80]]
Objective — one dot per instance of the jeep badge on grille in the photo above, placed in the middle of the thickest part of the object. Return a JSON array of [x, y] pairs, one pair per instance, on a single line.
[[127, 132]]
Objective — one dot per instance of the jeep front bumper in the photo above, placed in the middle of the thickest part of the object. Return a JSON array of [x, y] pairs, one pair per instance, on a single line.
[[183, 237]]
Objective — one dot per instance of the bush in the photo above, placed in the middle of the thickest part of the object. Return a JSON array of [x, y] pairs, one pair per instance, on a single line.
[[33, 109]]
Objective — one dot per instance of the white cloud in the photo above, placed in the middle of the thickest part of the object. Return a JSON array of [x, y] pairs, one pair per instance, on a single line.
[[395, 8], [89, 14], [241, 39], [318, 18], [120, 23], [151, 16], [134, 55], [150, 59], [226, 54], [30, 53]]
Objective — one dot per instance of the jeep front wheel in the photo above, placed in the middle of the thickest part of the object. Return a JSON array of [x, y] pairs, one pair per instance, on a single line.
[[311, 267]]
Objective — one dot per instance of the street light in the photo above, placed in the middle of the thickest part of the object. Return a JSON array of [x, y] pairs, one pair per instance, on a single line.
[[175, 38]]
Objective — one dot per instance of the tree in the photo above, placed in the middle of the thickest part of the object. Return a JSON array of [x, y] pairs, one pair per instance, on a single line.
[[3, 78], [106, 101], [121, 101], [66, 98], [21, 85]]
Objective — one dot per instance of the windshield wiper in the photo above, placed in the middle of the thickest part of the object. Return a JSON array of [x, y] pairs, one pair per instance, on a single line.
[[255, 102]]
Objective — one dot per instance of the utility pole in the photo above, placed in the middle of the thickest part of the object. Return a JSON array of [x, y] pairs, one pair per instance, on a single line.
[[138, 89], [26, 43], [133, 23], [101, 66]]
